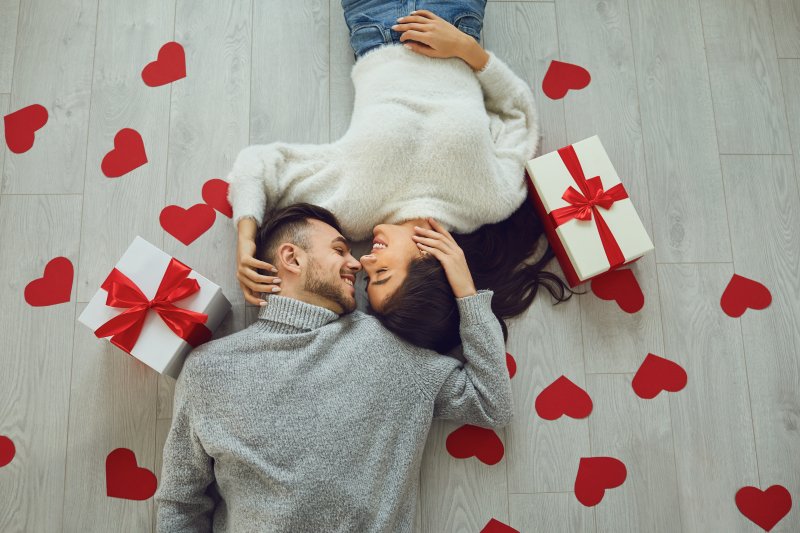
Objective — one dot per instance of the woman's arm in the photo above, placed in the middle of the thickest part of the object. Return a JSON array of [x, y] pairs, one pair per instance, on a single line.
[[473, 54]]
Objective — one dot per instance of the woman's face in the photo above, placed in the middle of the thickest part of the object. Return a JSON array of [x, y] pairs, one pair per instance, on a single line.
[[386, 266]]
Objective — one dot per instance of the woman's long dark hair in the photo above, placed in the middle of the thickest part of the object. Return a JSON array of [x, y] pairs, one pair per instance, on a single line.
[[423, 310]]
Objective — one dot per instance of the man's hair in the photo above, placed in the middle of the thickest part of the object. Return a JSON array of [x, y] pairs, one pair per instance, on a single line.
[[291, 225]]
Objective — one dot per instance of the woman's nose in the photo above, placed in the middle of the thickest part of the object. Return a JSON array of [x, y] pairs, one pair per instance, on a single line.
[[367, 260]]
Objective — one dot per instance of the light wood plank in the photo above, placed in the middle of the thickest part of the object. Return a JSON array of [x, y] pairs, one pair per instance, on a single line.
[[790, 74], [711, 422], [685, 181], [637, 432], [745, 83], [459, 494], [53, 68], [111, 406], [5, 102], [545, 343], [786, 23], [550, 511], [9, 14], [35, 358], [116, 210], [763, 194], [217, 40], [342, 91], [599, 39]]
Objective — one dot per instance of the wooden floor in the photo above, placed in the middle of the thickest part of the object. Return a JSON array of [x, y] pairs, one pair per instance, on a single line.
[[697, 103]]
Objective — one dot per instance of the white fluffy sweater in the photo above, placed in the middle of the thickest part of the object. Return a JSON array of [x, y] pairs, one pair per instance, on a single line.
[[428, 138]]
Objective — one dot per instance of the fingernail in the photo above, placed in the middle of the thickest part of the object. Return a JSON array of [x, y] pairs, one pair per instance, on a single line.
[[275, 289], [275, 270], [277, 280], [262, 303]]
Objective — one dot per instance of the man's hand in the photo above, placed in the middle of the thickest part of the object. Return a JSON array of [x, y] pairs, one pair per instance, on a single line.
[[432, 36]]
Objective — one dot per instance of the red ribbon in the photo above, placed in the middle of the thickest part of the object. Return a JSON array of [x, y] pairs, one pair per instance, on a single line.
[[175, 285], [584, 203]]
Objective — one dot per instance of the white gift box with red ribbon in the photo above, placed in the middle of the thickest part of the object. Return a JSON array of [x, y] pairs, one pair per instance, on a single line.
[[589, 219], [155, 308]]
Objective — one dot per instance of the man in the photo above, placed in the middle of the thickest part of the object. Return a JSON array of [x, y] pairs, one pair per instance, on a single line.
[[315, 417]]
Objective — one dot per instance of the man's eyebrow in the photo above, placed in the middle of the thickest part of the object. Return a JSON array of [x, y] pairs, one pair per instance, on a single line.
[[381, 282], [342, 240]]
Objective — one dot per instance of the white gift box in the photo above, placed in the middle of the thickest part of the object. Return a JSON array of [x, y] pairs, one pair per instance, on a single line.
[[577, 243], [157, 346]]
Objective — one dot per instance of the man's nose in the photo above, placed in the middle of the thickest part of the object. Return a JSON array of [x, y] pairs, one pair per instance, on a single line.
[[354, 264]]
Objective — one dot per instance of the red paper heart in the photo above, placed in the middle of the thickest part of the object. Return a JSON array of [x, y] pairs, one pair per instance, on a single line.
[[128, 154], [54, 287], [187, 224], [7, 450], [511, 365], [656, 374], [469, 440], [496, 526], [124, 479], [563, 397], [215, 194], [595, 475], [562, 77], [21, 127], [742, 293], [170, 66], [766, 508], [620, 286]]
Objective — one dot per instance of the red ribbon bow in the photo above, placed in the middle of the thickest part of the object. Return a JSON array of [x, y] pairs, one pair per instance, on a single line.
[[175, 285], [584, 203]]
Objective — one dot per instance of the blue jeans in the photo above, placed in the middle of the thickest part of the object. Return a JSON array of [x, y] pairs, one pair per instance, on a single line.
[[370, 21]]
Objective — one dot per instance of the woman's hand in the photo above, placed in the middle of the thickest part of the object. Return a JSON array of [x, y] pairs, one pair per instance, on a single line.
[[431, 35], [443, 247], [251, 282]]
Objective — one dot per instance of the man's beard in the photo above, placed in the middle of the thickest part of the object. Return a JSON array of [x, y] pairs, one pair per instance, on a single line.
[[316, 283]]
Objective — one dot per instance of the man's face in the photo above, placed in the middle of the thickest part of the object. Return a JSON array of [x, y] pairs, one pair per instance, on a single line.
[[331, 270]]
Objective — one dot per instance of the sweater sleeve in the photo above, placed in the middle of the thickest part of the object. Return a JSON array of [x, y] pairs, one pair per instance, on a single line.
[[478, 391], [187, 470], [513, 120], [262, 172]]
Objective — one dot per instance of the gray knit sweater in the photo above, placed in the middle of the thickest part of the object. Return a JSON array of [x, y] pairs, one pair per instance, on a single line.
[[308, 421]]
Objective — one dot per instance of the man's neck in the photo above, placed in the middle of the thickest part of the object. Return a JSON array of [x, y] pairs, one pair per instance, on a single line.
[[309, 298]]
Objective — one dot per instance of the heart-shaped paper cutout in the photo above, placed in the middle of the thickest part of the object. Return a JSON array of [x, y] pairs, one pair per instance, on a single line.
[[215, 194], [620, 286], [563, 397], [128, 154], [7, 450], [126, 480], [595, 475], [765, 508], [656, 374], [742, 293], [170, 66], [496, 526], [468, 441], [186, 225], [562, 77], [21, 127], [54, 287], [511, 365]]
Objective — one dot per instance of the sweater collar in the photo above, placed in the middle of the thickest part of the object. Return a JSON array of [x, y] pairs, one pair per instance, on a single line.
[[294, 312]]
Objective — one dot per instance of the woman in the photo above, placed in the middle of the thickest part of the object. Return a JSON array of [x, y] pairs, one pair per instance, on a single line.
[[440, 130]]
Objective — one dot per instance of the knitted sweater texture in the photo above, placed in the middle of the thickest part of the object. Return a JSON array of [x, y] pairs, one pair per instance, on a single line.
[[308, 421], [428, 137]]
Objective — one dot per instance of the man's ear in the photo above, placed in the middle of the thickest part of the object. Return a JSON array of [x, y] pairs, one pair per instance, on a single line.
[[290, 257]]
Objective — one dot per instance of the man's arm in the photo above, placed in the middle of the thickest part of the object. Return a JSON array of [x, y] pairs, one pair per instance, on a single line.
[[477, 391], [186, 472]]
